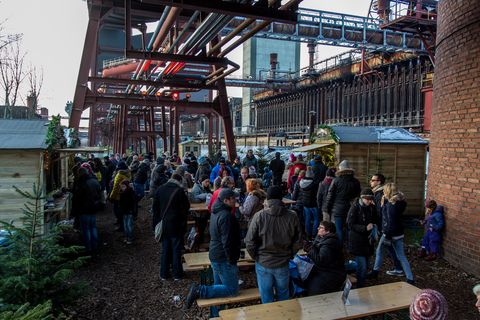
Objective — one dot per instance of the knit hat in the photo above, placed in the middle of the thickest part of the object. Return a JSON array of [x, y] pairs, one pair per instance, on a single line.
[[367, 193], [226, 193], [476, 289], [331, 172], [317, 157], [292, 157], [204, 177], [274, 192], [87, 166], [122, 166], [429, 304], [221, 160], [344, 165], [252, 171], [300, 157]]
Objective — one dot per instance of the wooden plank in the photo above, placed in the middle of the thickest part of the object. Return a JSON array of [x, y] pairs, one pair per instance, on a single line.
[[363, 302], [201, 258], [243, 296]]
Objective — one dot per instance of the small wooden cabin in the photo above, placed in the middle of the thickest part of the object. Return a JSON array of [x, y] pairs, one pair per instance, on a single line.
[[189, 146], [396, 153], [22, 147]]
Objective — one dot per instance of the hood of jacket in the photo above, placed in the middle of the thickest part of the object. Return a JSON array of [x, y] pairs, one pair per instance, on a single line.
[[175, 182], [397, 197], [330, 239], [345, 172], [378, 188], [328, 180], [219, 206], [306, 183], [125, 172], [275, 207]]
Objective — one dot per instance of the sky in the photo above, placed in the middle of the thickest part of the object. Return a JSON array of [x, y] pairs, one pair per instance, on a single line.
[[54, 33]]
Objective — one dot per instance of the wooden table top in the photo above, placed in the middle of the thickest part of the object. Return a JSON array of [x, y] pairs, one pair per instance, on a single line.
[[201, 258], [363, 302], [200, 206]]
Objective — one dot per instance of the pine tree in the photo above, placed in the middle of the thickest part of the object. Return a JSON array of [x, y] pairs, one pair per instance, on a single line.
[[40, 312], [35, 268]]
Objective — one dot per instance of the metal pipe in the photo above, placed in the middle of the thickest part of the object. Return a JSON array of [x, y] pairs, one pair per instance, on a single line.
[[230, 36]]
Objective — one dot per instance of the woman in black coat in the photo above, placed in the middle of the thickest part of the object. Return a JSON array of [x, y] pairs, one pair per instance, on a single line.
[[328, 274], [361, 219]]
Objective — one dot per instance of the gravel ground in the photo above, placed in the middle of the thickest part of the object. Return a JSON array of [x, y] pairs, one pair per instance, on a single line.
[[124, 279]]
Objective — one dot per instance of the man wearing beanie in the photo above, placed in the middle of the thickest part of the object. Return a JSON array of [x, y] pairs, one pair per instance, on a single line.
[[360, 221], [322, 193], [344, 189], [273, 238], [224, 252]]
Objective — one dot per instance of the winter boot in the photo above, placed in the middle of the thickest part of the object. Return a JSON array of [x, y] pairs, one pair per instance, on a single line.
[[193, 294], [431, 257], [372, 274]]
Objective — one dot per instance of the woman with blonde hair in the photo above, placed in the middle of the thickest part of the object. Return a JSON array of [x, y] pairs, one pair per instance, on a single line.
[[393, 206], [254, 200]]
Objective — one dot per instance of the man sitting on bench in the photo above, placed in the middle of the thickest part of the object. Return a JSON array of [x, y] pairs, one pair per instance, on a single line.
[[224, 253]]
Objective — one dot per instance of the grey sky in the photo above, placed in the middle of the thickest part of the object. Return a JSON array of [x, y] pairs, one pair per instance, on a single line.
[[54, 33]]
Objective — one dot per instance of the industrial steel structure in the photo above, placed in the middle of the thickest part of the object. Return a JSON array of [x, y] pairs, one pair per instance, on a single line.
[[138, 97]]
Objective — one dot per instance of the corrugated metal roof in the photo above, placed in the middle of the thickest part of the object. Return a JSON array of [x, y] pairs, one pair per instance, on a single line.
[[23, 134], [347, 134]]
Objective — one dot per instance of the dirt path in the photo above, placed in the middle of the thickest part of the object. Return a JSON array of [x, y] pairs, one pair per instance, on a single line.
[[124, 280]]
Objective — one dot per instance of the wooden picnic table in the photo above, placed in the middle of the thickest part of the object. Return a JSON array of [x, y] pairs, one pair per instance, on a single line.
[[201, 259], [363, 302]]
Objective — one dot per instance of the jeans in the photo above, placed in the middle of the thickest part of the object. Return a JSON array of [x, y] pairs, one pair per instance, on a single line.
[[396, 263], [397, 246], [171, 255], [362, 266], [89, 231], [309, 215], [339, 223], [128, 226], [225, 283], [270, 278]]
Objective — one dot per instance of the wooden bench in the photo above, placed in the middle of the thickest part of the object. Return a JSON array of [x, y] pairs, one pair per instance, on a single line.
[[243, 296], [240, 264], [363, 302]]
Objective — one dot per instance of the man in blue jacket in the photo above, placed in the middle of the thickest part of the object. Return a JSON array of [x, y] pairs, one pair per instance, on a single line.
[[218, 169]]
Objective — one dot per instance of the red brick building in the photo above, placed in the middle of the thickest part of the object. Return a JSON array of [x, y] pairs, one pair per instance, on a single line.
[[454, 169]]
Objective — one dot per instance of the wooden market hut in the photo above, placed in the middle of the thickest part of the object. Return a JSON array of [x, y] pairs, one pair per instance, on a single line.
[[396, 153], [22, 147], [189, 146]]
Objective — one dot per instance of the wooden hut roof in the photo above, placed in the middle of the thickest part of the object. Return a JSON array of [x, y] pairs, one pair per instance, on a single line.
[[23, 134], [348, 134]]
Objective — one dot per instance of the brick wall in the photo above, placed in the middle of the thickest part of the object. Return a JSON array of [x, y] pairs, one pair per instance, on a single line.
[[454, 168]]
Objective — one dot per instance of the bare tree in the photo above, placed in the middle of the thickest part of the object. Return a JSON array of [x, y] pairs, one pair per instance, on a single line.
[[12, 71], [35, 83]]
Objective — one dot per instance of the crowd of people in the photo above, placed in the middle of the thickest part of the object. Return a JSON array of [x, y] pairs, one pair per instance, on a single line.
[[331, 217]]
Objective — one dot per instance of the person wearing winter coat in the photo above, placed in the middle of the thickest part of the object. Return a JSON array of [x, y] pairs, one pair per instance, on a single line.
[[277, 166], [203, 168], [254, 200], [122, 173], [322, 194], [85, 204], [301, 165], [134, 165], [377, 183], [158, 178], [328, 273], [223, 254], [218, 170], [343, 190], [127, 207], [305, 194], [250, 160], [174, 224], [434, 223], [272, 240], [393, 206], [200, 190], [139, 180], [319, 169], [226, 183], [361, 220]]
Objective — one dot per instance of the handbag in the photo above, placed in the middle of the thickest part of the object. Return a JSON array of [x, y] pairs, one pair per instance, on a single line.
[[159, 226]]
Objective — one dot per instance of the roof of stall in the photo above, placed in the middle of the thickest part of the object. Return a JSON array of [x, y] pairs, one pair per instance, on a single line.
[[348, 134], [23, 134]]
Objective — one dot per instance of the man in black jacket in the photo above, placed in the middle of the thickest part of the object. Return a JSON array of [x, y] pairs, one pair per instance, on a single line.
[[277, 166], [343, 190], [174, 213], [224, 252], [272, 240]]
